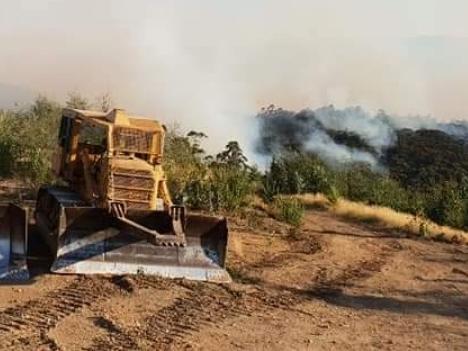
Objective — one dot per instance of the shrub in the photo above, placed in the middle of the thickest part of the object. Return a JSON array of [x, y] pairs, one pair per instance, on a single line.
[[183, 164], [289, 209], [205, 182], [7, 157], [297, 174], [28, 140], [360, 183], [332, 195], [445, 204], [230, 187]]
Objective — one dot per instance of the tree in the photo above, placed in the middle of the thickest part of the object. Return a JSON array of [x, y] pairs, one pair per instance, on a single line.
[[28, 138], [104, 102], [76, 100], [183, 161], [233, 156], [195, 139], [43, 107]]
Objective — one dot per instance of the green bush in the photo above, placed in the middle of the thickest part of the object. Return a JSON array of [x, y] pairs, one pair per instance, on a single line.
[[7, 157], [27, 141], [206, 182], [446, 204], [359, 183], [230, 187], [289, 209], [184, 166], [297, 174], [224, 188], [333, 194]]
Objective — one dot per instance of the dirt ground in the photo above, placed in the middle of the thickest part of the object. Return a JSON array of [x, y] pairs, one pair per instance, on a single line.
[[332, 285]]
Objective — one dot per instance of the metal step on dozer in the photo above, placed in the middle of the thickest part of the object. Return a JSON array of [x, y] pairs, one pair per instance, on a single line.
[[115, 215]]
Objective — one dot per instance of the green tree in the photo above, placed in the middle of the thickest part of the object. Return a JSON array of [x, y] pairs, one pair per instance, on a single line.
[[446, 204], [232, 155], [28, 139]]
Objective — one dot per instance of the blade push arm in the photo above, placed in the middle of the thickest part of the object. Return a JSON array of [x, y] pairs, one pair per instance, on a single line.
[[176, 238]]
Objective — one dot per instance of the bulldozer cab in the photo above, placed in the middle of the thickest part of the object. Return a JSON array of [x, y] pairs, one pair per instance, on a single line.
[[113, 158], [114, 133], [86, 136]]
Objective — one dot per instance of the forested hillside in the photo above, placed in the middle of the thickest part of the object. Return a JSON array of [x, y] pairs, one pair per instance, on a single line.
[[366, 158]]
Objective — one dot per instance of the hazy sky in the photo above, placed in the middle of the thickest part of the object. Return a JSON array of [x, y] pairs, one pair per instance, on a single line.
[[212, 64]]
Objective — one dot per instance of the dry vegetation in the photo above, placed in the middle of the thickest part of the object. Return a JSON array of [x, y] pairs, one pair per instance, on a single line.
[[385, 217]]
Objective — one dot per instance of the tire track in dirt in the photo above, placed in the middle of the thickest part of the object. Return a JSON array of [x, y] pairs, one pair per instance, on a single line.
[[207, 305], [204, 305], [116, 338], [25, 326], [354, 273]]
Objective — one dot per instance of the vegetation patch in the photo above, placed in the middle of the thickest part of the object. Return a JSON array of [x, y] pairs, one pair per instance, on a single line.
[[289, 209], [423, 186], [444, 202]]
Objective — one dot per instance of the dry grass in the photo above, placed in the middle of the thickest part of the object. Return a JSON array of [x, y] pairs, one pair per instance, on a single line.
[[315, 201], [386, 217]]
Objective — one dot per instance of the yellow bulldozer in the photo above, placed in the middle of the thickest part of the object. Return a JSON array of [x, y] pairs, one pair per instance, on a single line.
[[115, 214]]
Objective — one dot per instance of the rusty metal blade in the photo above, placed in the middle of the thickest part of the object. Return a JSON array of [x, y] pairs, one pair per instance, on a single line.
[[93, 244], [13, 243]]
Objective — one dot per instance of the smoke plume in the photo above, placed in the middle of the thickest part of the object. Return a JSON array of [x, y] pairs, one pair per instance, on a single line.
[[340, 136], [209, 65]]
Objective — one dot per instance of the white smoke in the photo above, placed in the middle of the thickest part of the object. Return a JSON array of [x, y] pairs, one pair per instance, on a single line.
[[209, 65], [376, 132], [323, 145], [342, 136]]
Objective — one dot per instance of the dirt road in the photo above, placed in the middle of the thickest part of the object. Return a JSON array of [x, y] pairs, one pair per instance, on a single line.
[[332, 285]]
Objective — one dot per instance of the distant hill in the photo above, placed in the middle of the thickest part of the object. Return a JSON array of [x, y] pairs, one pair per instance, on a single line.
[[428, 153]]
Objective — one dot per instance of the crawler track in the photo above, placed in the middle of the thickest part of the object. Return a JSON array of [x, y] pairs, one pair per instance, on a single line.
[[25, 326], [206, 305], [202, 306], [361, 271]]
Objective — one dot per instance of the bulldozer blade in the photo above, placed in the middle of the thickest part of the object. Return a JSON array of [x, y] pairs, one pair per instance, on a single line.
[[91, 242], [13, 243]]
